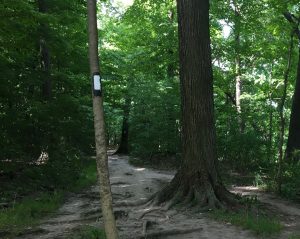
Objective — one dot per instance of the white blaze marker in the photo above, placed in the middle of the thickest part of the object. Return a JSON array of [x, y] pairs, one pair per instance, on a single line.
[[97, 84]]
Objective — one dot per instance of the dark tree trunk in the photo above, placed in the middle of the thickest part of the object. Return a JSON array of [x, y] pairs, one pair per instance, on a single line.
[[197, 180], [282, 118], [293, 143], [44, 53], [123, 148]]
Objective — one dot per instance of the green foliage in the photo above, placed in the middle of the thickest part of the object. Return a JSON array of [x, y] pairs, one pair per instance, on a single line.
[[89, 232], [243, 152], [29, 124], [143, 66], [65, 174], [87, 176], [43, 190], [148, 132], [140, 70], [291, 181], [129, 72], [258, 223], [27, 212]]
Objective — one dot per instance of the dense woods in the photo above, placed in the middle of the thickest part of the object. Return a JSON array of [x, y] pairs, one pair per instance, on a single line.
[[209, 88]]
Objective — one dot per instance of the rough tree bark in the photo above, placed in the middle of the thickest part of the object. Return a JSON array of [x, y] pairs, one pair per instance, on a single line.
[[197, 181], [293, 143], [44, 53], [101, 151]]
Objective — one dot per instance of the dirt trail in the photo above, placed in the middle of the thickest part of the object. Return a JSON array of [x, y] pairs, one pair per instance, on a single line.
[[132, 184]]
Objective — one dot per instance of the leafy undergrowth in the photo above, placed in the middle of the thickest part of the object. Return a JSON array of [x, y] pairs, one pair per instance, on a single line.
[[26, 212], [88, 232], [258, 223], [88, 176], [291, 182]]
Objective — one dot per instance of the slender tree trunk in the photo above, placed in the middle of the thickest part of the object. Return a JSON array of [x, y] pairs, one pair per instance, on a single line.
[[101, 151], [238, 74], [44, 53], [293, 143], [270, 136], [123, 148], [197, 181], [282, 118]]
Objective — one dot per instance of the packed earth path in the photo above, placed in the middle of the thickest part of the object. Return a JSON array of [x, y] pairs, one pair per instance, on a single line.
[[131, 186]]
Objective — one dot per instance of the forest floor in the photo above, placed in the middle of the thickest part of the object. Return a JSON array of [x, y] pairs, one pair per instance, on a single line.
[[133, 184]]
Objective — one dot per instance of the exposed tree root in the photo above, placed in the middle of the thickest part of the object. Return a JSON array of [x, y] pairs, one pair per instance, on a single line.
[[169, 233], [147, 224], [202, 195], [150, 210], [134, 203]]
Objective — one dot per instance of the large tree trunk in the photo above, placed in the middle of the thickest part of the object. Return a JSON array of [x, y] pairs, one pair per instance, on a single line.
[[293, 143], [101, 151], [44, 53], [197, 180]]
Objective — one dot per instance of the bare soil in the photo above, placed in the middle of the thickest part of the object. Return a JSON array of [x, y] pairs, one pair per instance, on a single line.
[[131, 186]]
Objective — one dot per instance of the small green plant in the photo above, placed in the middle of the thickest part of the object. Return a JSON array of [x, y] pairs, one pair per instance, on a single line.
[[89, 232], [291, 182], [87, 177], [27, 212], [260, 224]]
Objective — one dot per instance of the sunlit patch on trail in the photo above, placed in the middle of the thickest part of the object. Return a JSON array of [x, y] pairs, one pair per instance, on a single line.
[[139, 169]]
